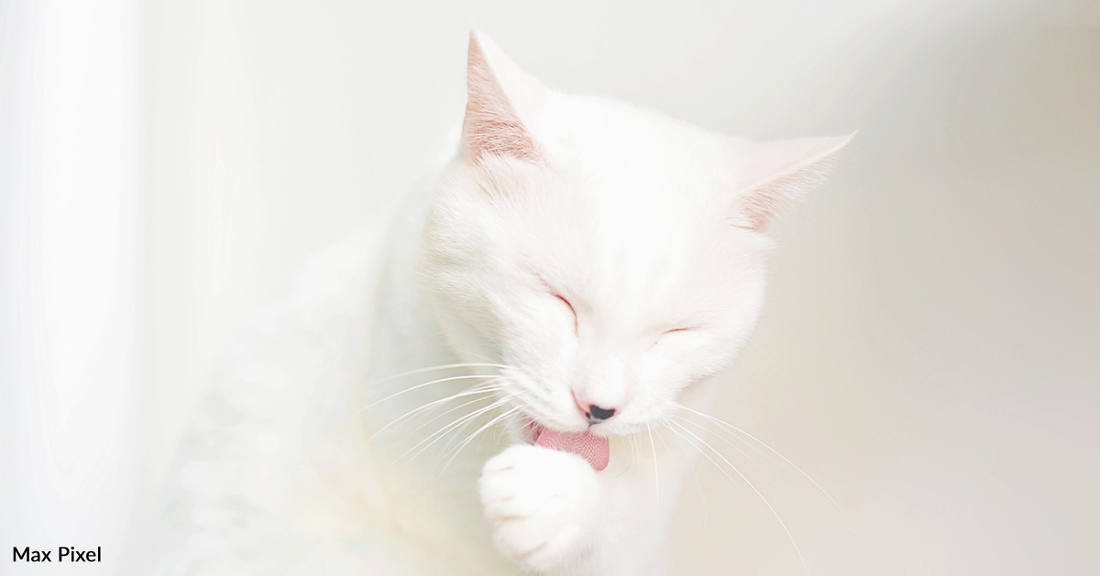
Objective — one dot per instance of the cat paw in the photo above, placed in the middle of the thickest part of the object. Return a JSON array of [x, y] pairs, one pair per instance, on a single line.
[[540, 504]]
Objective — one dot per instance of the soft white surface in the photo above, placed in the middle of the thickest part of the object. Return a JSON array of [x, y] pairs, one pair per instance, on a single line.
[[928, 350]]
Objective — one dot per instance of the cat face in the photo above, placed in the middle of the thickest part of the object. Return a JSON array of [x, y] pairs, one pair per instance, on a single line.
[[608, 255]]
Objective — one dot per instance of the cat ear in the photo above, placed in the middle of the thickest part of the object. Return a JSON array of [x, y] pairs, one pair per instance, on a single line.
[[498, 95], [767, 176]]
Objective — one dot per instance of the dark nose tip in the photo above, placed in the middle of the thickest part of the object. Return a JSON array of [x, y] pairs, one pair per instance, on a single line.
[[596, 414]]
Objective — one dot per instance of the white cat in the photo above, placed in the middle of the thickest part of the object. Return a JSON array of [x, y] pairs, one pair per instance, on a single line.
[[503, 383]]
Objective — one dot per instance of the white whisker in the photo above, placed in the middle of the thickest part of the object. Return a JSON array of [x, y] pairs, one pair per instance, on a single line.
[[470, 438], [712, 461], [656, 474], [722, 438], [633, 454], [737, 430], [434, 368], [453, 425], [477, 390], [694, 472], [805, 567], [445, 412], [418, 386]]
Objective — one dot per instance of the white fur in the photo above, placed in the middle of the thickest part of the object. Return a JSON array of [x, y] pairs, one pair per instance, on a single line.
[[650, 228]]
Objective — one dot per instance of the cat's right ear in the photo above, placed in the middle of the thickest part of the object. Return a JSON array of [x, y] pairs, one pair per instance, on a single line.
[[770, 175], [498, 96]]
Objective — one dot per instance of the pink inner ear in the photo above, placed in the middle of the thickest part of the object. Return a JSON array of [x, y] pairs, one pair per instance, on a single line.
[[762, 203], [492, 126], [776, 173]]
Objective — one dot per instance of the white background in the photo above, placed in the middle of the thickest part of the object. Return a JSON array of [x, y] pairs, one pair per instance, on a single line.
[[928, 353]]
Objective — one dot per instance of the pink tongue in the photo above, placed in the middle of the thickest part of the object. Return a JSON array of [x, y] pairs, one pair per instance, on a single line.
[[594, 449]]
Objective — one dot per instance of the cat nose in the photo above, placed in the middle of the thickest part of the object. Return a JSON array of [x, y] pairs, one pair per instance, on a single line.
[[596, 414]]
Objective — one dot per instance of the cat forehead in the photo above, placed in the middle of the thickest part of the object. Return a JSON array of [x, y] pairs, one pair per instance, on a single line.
[[632, 254], [611, 137], [614, 214], [626, 186]]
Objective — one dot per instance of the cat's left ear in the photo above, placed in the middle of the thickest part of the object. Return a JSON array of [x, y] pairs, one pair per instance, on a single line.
[[768, 176]]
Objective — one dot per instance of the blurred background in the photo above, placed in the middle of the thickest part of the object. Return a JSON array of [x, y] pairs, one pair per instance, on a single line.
[[930, 352]]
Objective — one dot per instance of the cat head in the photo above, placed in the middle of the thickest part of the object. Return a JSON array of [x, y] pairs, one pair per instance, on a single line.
[[608, 255]]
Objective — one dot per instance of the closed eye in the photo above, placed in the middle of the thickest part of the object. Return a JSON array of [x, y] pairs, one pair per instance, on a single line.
[[571, 310], [673, 331], [568, 304]]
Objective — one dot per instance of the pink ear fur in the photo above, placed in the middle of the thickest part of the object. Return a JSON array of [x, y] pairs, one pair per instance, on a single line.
[[497, 91], [767, 176]]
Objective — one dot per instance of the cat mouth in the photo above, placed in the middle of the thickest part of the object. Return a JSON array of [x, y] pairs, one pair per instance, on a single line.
[[530, 431], [596, 450]]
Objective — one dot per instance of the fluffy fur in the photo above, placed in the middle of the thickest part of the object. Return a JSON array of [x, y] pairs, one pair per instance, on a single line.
[[574, 252]]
